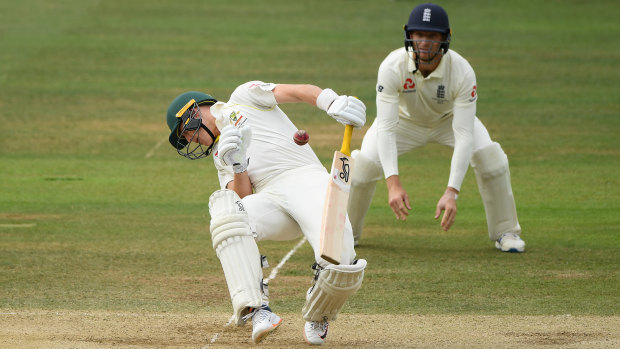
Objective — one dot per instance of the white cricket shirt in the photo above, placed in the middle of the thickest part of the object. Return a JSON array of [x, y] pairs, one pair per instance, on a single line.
[[448, 92], [272, 150]]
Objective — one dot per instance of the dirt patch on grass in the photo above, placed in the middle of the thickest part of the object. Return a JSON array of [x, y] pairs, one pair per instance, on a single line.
[[74, 329]]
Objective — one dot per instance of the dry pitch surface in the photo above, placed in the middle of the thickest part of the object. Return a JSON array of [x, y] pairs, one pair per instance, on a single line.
[[74, 329]]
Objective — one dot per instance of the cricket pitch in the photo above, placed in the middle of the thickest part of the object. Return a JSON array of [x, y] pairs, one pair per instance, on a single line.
[[87, 329]]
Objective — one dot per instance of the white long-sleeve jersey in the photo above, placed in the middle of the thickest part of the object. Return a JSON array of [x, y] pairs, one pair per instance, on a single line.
[[448, 92], [272, 150]]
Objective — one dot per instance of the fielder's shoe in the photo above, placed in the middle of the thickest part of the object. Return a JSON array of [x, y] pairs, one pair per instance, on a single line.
[[510, 242], [264, 321], [315, 332]]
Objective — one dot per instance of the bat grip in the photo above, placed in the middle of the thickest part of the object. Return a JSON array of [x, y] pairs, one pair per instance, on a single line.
[[346, 140]]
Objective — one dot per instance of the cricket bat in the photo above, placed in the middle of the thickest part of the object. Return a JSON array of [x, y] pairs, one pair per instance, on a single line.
[[335, 208]]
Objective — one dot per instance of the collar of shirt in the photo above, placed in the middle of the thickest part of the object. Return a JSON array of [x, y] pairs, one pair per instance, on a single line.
[[438, 72]]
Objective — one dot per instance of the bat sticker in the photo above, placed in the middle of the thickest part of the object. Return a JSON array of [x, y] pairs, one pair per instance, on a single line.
[[344, 175]]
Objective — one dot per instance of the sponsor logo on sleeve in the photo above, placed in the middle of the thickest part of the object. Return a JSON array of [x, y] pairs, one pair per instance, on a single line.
[[474, 94]]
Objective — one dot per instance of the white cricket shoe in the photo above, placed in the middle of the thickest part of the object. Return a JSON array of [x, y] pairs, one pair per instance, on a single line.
[[510, 242], [264, 321], [315, 332]]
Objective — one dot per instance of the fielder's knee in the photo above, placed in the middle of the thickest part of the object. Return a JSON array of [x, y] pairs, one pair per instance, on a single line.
[[490, 161], [366, 173], [493, 176], [366, 170]]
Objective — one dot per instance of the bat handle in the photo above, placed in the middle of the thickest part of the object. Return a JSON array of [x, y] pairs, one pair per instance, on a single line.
[[346, 140]]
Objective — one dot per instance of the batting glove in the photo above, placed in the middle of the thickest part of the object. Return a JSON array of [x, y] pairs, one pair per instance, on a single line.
[[233, 145], [347, 110]]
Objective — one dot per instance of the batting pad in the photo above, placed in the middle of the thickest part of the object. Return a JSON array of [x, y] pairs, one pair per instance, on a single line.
[[493, 176], [236, 248], [363, 185], [334, 285]]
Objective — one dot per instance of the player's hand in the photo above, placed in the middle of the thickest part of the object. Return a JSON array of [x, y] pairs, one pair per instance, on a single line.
[[348, 110], [233, 145], [398, 198], [447, 203]]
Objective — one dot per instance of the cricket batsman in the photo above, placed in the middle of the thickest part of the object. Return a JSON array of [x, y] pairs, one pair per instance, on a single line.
[[271, 189], [427, 93]]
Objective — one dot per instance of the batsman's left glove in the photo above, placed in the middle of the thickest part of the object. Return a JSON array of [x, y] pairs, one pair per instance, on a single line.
[[233, 145]]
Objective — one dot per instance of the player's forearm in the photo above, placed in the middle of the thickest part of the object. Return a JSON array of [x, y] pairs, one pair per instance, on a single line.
[[388, 155], [294, 93], [241, 184], [463, 128], [387, 122], [459, 165]]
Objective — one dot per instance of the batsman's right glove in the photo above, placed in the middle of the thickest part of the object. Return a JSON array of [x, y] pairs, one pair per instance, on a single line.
[[347, 110]]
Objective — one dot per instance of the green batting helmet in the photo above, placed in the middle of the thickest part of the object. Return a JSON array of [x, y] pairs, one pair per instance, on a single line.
[[174, 121]]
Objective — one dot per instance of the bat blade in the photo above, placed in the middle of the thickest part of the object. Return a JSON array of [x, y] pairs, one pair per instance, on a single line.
[[336, 200]]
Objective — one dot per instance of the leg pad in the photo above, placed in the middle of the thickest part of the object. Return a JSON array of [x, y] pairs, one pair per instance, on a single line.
[[493, 176], [236, 248], [333, 285]]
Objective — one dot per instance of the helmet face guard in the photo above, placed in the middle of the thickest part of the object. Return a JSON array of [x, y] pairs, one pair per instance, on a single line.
[[413, 47], [190, 122]]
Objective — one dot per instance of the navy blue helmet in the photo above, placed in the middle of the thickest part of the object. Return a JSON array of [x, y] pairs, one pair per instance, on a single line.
[[431, 18]]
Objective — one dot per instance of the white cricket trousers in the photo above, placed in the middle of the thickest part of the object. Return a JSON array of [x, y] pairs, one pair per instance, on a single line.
[[291, 205], [410, 136]]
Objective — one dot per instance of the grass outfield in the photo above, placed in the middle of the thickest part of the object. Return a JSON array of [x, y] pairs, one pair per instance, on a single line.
[[98, 213]]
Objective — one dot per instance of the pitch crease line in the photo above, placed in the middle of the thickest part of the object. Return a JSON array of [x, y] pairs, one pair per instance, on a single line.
[[20, 225], [272, 275], [155, 147], [290, 253]]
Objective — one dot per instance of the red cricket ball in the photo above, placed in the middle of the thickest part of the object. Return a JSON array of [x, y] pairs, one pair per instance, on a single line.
[[301, 137]]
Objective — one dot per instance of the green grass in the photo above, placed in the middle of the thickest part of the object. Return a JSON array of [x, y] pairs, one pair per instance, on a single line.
[[88, 221]]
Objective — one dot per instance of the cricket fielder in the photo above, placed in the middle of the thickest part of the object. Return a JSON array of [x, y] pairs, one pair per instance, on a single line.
[[427, 93], [272, 189]]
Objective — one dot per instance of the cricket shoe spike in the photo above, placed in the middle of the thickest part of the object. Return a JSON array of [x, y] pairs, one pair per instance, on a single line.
[[264, 321], [315, 332], [510, 242]]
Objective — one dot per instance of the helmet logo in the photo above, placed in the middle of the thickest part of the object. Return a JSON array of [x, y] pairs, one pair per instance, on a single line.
[[426, 16]]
